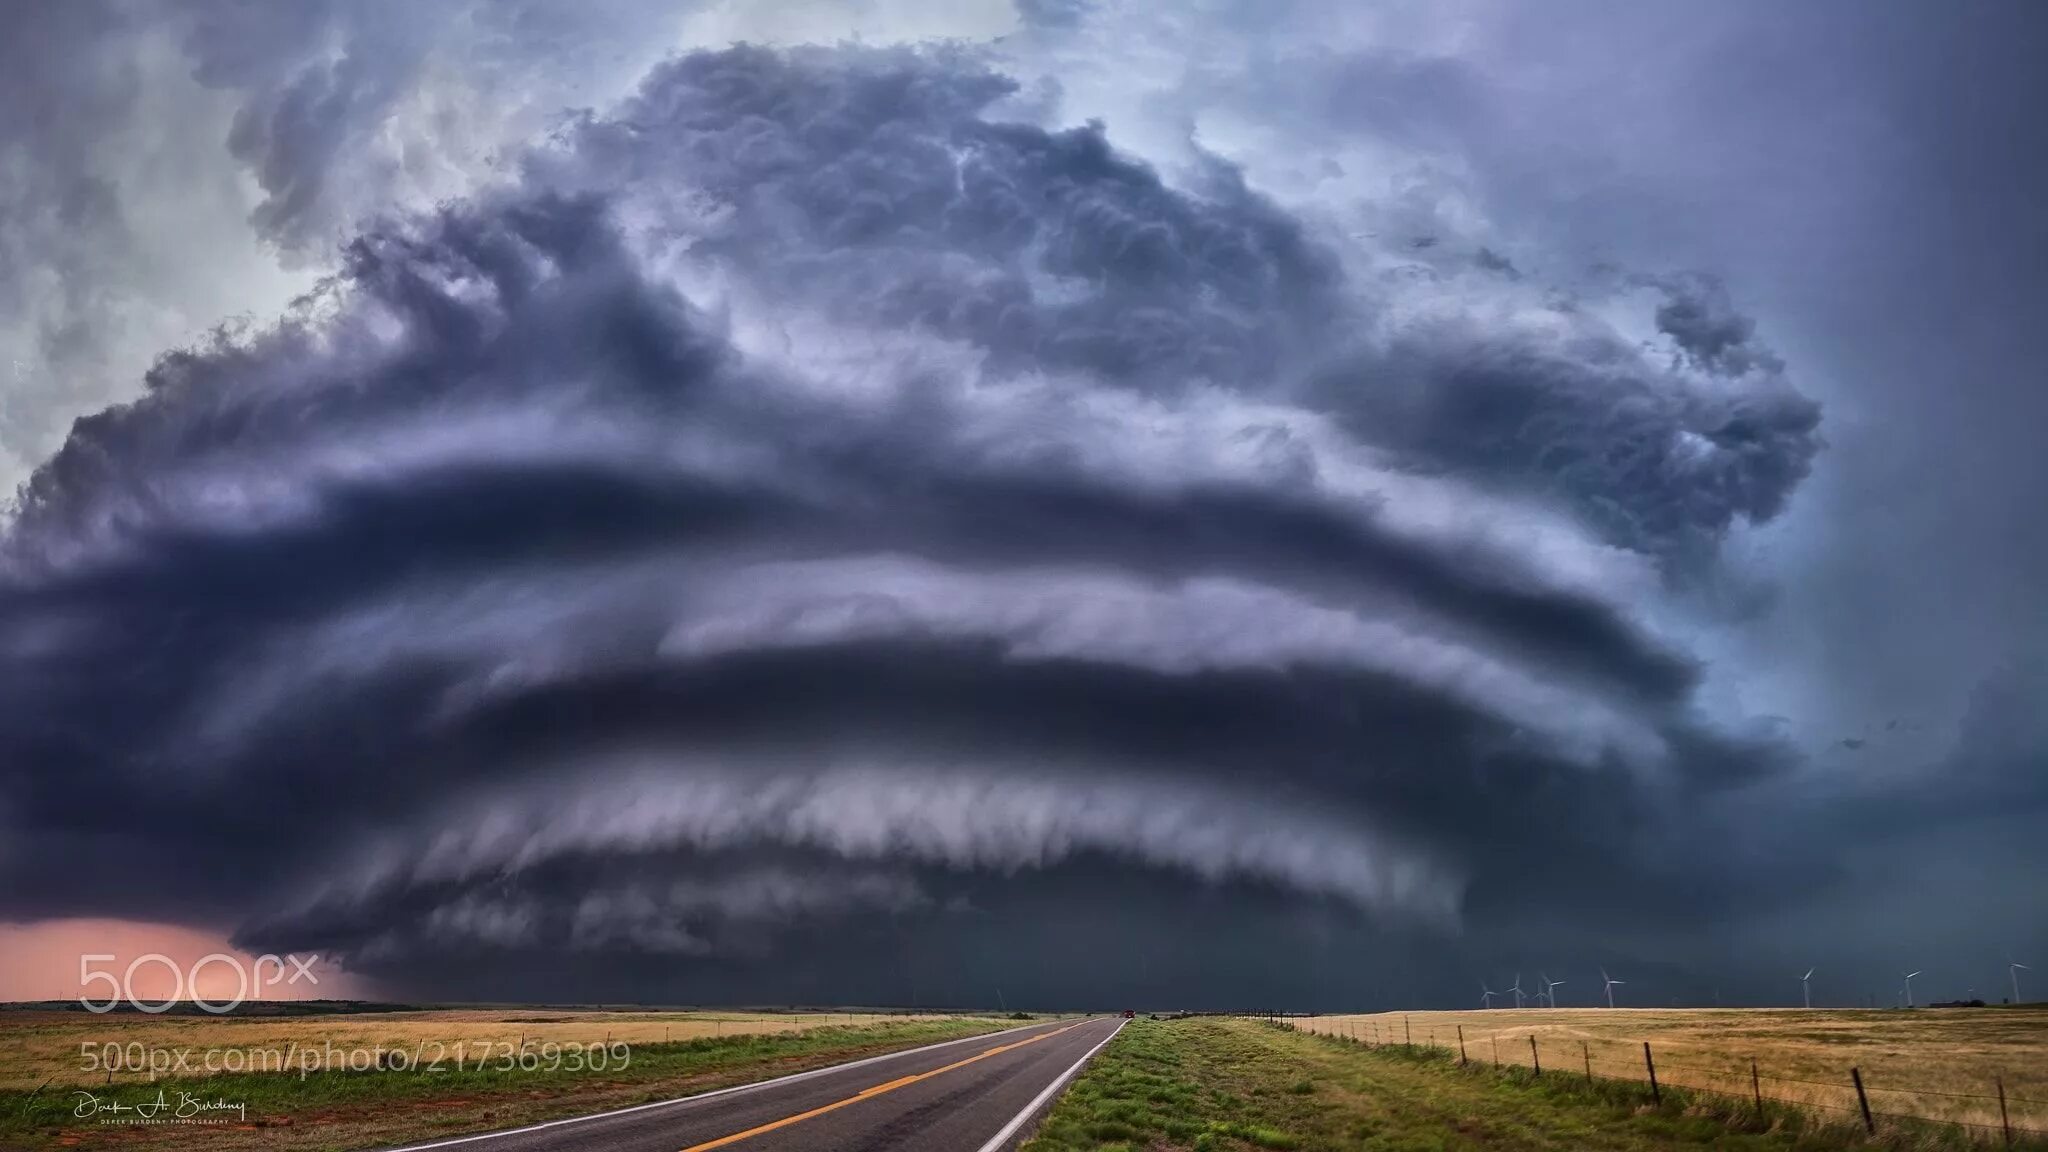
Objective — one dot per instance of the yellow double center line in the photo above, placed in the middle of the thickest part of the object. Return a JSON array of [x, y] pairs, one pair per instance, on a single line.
[[871, 1093]]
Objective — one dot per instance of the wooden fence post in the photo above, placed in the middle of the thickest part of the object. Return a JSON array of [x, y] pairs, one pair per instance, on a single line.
[[1756, 1087], [1863, 1101], [1461, 1055], [1407, 1032], [1496, 1049], [1587, 1051], [1535, 1060], [1650, 1062], [2004, 1122]]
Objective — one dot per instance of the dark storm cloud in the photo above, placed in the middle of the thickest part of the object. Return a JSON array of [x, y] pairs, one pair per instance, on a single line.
[[880, 193], [1665, 444], [1700, 319], [852, 188], [1661, 458], [804, 493]]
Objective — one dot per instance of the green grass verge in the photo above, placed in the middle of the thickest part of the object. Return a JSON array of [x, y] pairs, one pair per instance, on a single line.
[[356, 1109], [1215, 1084]]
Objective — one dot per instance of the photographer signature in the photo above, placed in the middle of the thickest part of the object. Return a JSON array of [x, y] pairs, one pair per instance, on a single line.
[[185, 1107]]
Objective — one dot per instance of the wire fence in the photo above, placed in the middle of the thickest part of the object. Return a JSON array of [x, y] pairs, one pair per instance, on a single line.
[[1994, 1115]]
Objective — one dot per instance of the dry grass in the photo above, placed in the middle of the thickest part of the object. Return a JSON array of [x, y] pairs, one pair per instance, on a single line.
[[42, 1048], [1222, 1085], [1939, 1064]]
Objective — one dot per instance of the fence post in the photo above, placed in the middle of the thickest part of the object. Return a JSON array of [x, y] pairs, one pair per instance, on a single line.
[[1535, 1060], [1863, 1101], [2003, 1122], [1756, 1088], [1650, 1062], [1407, 1032], [1432, 1040], [1496, 1049], [1461, 1055], [1586, 1051]]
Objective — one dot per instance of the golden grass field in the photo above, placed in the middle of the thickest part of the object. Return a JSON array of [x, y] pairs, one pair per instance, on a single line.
[[1935, 1063], [43, 1048]]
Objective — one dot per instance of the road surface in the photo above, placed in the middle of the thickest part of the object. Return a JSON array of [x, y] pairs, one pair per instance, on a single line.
[[973, 1095]]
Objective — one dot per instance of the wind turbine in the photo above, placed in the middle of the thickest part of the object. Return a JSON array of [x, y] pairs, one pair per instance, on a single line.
[[1909, 986], [1516, 988], [1486, 995], [1549, 989], [1554, 986], [1806, 989], [1609, 982], [2013, 968]]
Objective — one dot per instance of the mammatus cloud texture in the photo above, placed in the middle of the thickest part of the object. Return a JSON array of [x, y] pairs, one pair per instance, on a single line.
[[818, 494]]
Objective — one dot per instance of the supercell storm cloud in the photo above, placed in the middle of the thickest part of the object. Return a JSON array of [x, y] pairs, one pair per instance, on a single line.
[[817, 490]]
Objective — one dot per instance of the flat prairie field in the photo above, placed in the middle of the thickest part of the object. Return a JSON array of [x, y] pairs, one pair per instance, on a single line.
[[1934, 1063], [326, 1082], [64, 1049]]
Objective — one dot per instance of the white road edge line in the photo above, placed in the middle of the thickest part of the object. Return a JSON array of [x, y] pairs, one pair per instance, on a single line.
[[732, 1091], [1018, 1121]]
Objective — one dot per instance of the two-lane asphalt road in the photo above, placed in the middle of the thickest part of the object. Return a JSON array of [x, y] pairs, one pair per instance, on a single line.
[[972, 1095]]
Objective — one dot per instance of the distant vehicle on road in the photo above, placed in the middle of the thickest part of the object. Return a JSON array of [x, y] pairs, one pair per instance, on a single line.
[[1130, 1015]]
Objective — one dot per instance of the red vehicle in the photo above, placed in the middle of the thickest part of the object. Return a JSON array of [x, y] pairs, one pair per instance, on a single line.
[[1130, 1015]]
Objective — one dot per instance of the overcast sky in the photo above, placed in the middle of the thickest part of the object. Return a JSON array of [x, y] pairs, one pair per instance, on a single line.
[[1205, 505]]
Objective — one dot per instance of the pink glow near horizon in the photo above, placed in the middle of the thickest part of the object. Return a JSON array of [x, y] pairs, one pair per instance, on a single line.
[[40, 961]]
